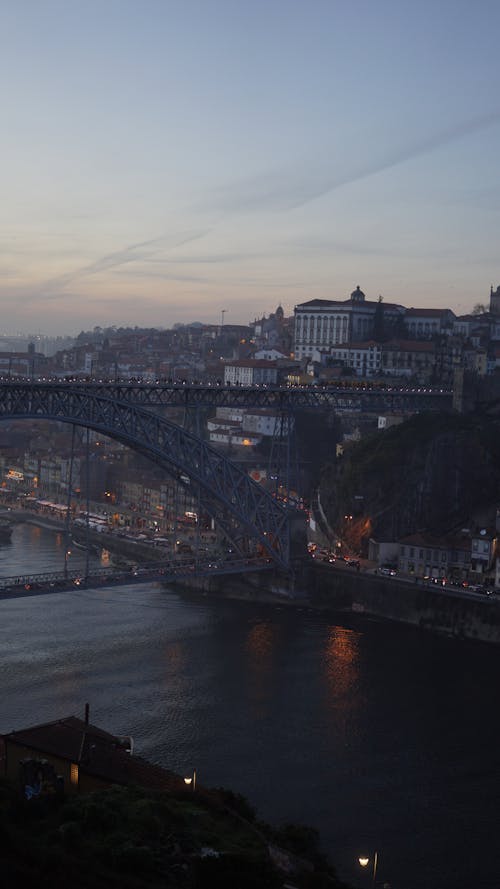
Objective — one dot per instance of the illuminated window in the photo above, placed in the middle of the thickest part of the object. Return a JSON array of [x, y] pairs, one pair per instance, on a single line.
[[73, 776]]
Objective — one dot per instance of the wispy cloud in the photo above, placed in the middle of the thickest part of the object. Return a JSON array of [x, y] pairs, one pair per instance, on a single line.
[[278, 190], [140, 252]]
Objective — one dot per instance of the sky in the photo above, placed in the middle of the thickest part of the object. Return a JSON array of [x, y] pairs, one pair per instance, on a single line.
[[162, 161]]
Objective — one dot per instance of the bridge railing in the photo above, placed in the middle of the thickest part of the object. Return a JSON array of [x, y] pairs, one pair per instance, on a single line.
[[164, 571]]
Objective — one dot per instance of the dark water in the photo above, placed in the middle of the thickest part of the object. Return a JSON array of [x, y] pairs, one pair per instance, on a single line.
[[381, 737]]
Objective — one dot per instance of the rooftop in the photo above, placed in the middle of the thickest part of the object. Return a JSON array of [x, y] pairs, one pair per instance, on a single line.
[[96, 752]]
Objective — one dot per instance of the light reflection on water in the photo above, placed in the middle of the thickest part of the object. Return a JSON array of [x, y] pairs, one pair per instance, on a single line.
[[377, 735]]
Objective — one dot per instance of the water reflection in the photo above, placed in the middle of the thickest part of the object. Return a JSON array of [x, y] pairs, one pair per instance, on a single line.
[[342, 670], [259, 646]]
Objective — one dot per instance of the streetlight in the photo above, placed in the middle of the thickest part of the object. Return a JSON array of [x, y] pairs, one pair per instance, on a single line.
[[191, 781], [365, 861], [67, 554]]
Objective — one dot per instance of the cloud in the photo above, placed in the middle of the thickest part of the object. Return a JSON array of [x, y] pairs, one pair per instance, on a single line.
[[288, 191], [132, 253]]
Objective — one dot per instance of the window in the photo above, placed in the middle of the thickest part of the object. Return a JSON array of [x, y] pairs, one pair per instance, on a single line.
[[73, 774]]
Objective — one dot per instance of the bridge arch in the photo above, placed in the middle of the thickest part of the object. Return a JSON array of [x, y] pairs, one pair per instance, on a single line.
[[242, 507]]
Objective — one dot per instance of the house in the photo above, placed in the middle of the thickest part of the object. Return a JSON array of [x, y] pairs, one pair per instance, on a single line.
[[78, 757], [423, 555], [426, 323], [483, 551], [409, 358], [251, 372]]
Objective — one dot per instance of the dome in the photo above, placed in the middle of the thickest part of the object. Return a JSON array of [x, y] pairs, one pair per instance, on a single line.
[[358, 295]]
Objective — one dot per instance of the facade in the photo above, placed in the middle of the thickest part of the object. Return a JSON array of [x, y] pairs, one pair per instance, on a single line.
[[265, 423], [438, 558], [323, 324], [365, 359], [250, 373], [230, 433], [409, 358], [427, 323], [483, 551]]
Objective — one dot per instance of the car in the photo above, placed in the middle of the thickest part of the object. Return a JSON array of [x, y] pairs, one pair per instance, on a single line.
[[389, 572]]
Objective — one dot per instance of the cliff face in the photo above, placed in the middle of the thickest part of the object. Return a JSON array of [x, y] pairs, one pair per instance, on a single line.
[[432, 473]]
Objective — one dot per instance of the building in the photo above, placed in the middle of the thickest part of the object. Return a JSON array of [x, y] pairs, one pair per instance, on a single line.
[[440, 558], [323, 324], [250, 372], [428, 323], [265, 423], [365, 359], [409, 358], [483, 551], [74, 756]]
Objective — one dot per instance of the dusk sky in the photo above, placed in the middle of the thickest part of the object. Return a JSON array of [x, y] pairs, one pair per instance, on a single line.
[[164, 160]]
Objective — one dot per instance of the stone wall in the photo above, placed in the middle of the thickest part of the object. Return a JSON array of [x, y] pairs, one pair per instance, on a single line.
[[431, 608]]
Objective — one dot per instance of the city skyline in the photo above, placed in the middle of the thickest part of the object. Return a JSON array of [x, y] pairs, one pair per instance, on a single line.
[[162, 161]]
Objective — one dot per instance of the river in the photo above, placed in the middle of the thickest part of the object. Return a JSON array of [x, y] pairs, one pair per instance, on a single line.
[[382, 737]]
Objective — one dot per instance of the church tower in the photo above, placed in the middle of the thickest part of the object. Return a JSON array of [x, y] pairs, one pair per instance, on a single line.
[[495, 301]]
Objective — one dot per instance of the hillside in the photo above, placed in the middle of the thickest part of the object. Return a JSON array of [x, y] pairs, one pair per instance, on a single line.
[[433, 472], [132, 839]]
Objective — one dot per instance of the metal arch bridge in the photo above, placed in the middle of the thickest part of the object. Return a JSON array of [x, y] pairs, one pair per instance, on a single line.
[[243, 508], [280, 398]]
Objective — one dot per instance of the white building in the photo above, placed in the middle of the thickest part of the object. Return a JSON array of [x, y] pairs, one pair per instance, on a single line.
[[250, 372], [323, 324], [426, 323], [364, 358], [264, 423]]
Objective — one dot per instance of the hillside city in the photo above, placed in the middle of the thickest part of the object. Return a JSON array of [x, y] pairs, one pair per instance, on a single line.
[[350, 343]]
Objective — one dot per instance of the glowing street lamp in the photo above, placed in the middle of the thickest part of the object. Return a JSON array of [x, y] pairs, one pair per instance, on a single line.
[[365, 861], [191, 781]]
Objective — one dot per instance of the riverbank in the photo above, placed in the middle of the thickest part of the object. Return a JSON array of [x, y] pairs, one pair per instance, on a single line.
[[327, 588], [338, 591]]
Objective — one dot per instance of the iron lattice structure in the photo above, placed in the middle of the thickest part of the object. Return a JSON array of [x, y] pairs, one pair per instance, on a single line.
[[281, 399], [242, 508]]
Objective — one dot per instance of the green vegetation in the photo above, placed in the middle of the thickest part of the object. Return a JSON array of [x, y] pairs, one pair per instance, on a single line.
[[433, 472], [131, 838]]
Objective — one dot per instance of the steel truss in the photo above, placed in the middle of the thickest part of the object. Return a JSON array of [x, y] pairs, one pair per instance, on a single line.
[[243, 508], [280, 399]]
